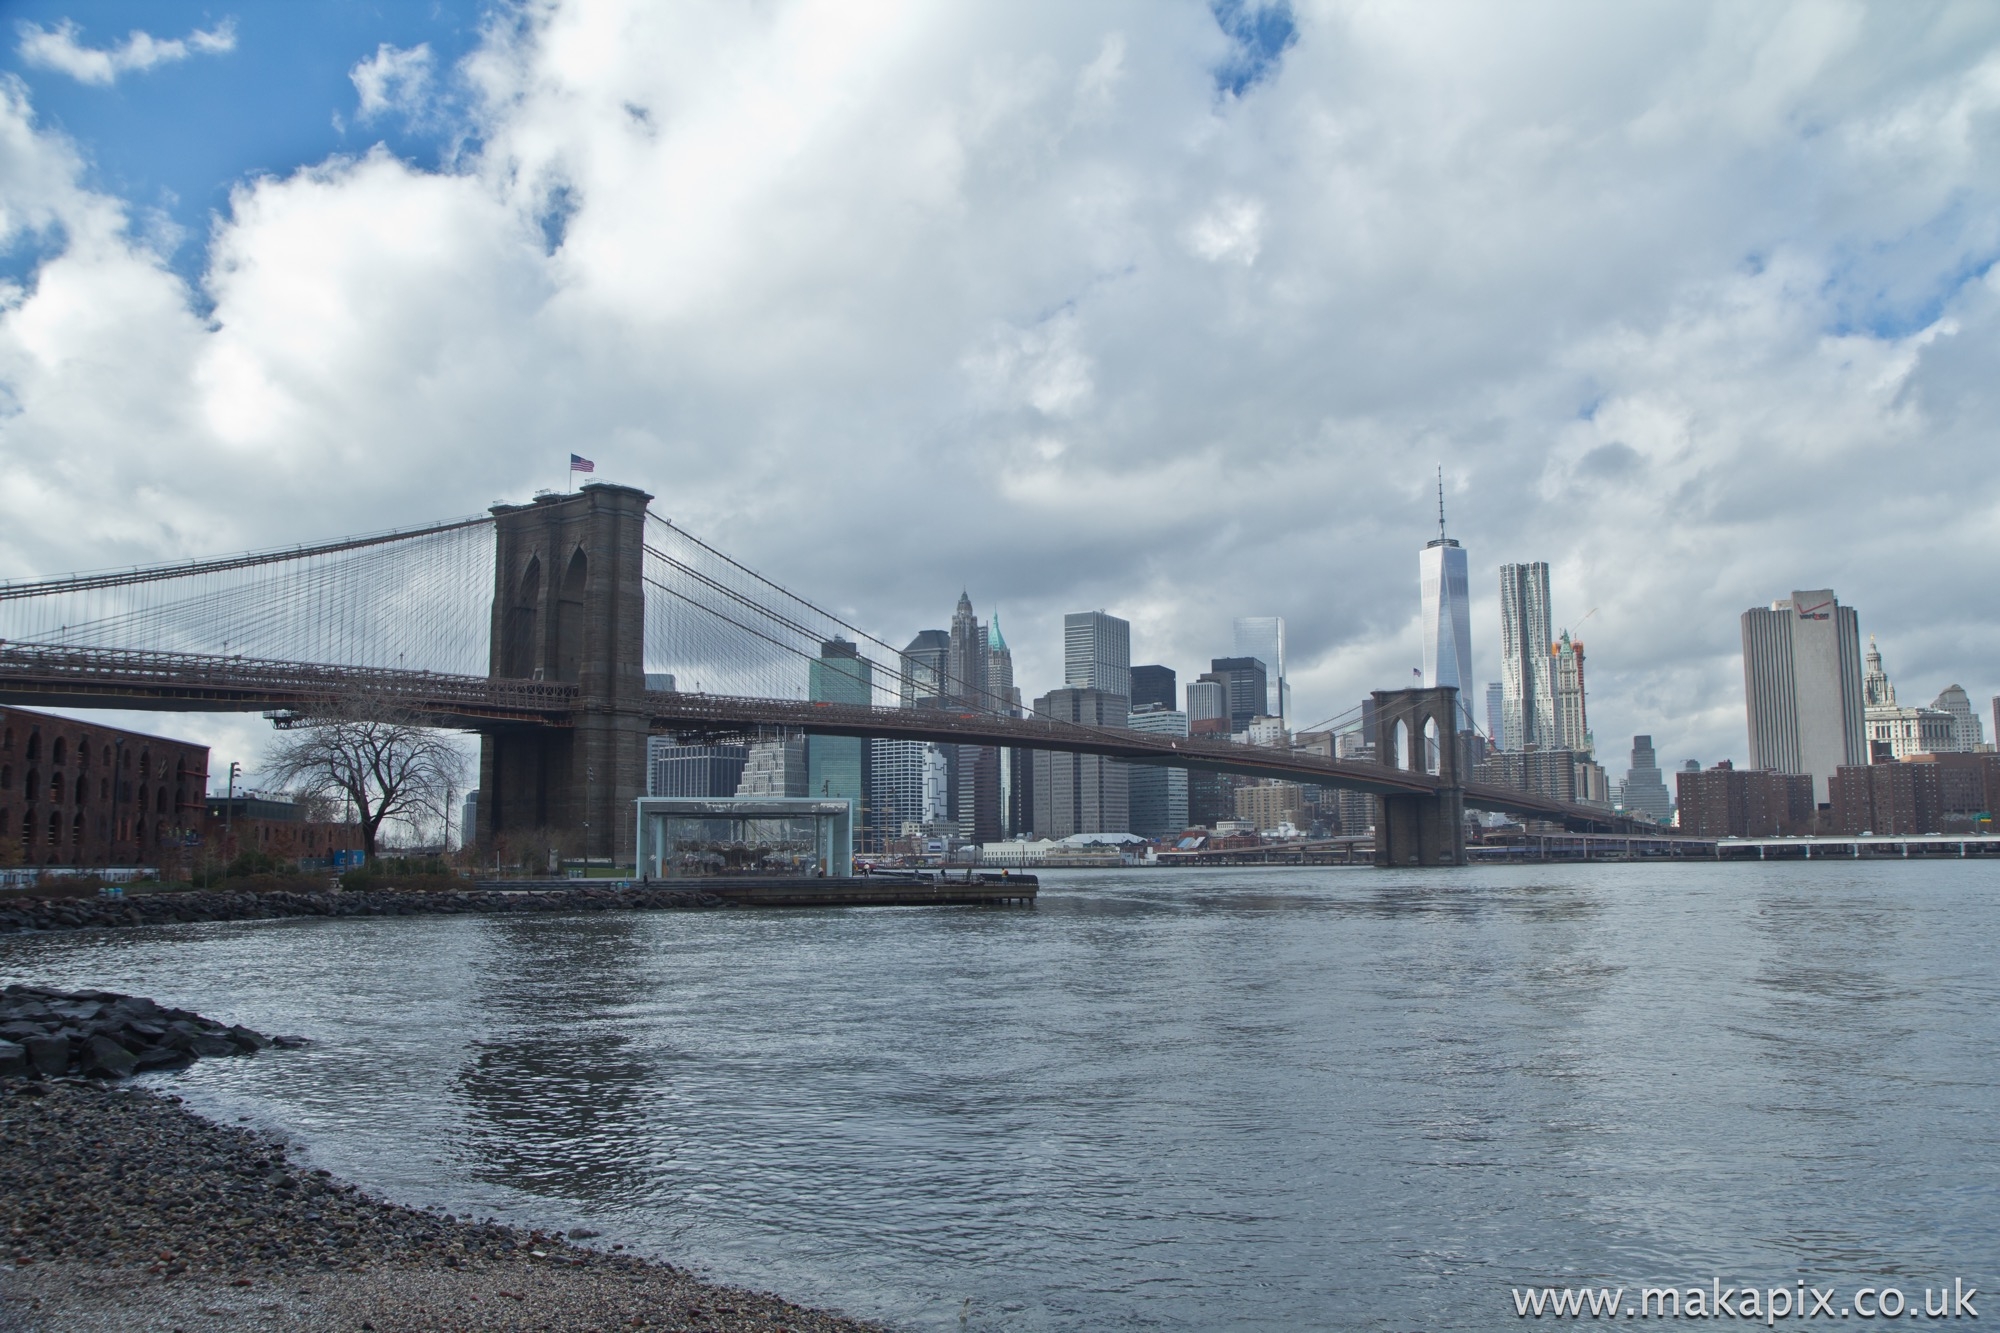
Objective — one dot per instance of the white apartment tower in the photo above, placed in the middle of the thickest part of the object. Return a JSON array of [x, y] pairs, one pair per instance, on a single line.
[[1802, 687]]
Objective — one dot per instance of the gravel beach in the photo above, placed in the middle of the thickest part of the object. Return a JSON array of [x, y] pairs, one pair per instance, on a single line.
[[124, 1210]]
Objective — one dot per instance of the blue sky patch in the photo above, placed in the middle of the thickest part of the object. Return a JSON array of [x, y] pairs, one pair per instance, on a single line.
[[1259, 33], [178, 136]]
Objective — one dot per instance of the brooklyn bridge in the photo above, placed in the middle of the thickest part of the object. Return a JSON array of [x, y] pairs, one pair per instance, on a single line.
[[537, 625]]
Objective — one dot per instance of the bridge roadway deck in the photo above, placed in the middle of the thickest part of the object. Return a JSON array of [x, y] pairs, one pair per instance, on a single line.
[[34, 676], [684, 712], [47, 676]]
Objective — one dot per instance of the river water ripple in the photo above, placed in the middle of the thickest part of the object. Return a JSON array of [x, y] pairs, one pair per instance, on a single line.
[[1252, 1099]]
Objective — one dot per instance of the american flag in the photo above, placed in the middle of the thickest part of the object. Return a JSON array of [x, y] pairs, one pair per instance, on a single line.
[[578, 463]]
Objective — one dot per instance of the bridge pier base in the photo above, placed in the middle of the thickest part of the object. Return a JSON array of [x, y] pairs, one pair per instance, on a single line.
[[1417, 730], [1420, 830]]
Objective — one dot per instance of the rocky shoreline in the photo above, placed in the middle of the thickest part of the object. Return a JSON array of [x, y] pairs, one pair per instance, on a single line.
[[48, 1033], [124, 1210], [156, 909]]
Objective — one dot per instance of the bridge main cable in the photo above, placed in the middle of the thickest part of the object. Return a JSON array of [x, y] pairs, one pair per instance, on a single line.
[[990, 700], [120, 578]]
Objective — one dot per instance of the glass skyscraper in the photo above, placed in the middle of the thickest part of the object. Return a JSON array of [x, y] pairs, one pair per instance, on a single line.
[[1447, 618], [1158, 796], [1263, 637], [837, 766], [1527, 705]]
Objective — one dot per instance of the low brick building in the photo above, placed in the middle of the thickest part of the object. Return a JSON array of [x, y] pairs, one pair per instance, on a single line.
[[1730, 802], [275, 826], [1924, 793], [83, 794], [1968, 788], [1893, 798]]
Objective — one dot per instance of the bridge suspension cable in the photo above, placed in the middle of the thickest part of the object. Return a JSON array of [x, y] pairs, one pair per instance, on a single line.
[[419, 599], [15, 589], [708, 651]]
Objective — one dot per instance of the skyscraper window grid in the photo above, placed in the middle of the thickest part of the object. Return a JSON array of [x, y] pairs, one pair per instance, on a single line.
[[1447, 616], [1097, 653], [1526, 676]]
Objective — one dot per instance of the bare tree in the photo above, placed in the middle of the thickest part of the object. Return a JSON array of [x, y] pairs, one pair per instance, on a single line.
[[384, 767]]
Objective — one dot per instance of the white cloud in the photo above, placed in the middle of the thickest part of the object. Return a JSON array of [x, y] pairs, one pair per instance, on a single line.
[[1230, 232], [1696, 303], [58, 49], [393, 79]]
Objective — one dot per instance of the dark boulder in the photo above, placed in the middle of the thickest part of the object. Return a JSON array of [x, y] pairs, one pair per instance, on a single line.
[[13, 1058], [49, 1054], [106, 1058], [161, 1057], [210, 1047]]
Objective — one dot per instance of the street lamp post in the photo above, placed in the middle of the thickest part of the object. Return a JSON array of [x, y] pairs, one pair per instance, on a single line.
[[229, 809]]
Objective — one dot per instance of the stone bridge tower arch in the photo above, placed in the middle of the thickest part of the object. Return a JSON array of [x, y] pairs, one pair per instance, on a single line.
[[569, 605], [1420, 829]]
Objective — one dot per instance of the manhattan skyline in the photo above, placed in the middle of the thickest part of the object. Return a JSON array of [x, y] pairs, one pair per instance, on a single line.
[[904, 341]]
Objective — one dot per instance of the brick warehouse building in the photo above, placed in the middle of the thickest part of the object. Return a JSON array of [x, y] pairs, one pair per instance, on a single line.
[[81, 794]]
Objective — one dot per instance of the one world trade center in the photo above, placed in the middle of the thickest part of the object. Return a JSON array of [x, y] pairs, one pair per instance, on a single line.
[[1447, 616]]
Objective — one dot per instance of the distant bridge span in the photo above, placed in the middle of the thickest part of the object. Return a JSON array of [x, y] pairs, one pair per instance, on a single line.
[[537, 625], [36, 676]]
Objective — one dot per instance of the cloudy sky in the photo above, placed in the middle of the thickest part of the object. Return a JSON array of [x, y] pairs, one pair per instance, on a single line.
[[1171, 309]]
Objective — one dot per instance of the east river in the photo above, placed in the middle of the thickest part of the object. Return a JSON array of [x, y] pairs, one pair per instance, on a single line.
[[1257, 1099]]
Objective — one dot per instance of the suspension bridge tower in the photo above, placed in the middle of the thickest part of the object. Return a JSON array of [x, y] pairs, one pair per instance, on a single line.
[[569, 607], [1418, 730]]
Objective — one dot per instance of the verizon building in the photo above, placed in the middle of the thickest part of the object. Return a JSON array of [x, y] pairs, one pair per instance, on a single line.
[[1802, 686]]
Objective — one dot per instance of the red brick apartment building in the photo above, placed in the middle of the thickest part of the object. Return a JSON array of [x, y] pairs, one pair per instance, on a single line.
[[1730, 802], [82, 794], [1923, 793]]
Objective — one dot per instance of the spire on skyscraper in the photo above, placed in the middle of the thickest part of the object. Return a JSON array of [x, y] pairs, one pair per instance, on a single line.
[[1447, 626]]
